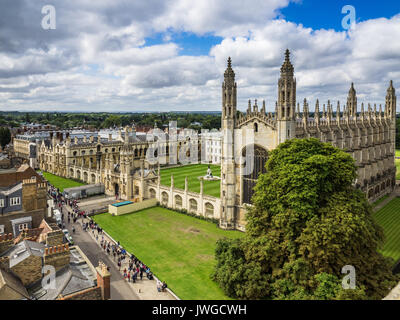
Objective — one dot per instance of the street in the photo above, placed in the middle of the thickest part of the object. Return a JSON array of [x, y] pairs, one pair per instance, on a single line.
[[120, 289]]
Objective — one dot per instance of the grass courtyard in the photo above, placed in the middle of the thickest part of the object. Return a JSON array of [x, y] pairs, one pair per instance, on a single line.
[[60, 182], [389, 219], [178, 248], [194, 171]]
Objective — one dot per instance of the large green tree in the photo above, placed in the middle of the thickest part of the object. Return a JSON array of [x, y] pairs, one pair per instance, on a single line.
[[5, 136], [306, 223]]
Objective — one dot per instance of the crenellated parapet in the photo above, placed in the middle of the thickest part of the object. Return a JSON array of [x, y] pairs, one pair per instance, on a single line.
[[253, 113]]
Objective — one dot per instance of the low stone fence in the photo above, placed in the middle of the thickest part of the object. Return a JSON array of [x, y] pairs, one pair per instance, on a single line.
[[93, 212], [132, 207]]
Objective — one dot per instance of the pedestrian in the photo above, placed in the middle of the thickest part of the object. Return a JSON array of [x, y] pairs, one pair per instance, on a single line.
[[129, 277], [119, 265]]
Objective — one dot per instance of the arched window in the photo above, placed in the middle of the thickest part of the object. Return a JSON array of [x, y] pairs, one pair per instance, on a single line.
[[193, 205], [258, 158], [256, 127], [164, 197], [178, 201], [152, 193], [209, 209]]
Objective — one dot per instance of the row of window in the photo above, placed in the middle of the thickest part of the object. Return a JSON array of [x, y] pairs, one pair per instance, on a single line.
[[13, 202]]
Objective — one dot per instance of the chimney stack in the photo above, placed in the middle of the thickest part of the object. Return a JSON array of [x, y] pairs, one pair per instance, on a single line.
[[103, 280]]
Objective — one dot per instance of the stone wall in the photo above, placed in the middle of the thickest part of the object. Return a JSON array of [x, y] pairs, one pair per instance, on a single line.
[[88, 294]]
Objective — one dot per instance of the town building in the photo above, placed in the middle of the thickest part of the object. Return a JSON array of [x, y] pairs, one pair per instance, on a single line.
[[211, 142], [23, 205], [25, 268]]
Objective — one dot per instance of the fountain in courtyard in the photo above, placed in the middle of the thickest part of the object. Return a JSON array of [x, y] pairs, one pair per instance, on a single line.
[[209, 176]]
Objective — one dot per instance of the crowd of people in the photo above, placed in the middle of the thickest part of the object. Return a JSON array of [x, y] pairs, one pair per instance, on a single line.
[[135, 269]]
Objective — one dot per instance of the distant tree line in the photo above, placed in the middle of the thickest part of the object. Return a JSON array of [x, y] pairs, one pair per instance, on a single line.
[[66, 120]]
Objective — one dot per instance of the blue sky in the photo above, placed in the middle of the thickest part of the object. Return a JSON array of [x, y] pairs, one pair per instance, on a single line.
[[315, 14], [327, 14], [165, 55]]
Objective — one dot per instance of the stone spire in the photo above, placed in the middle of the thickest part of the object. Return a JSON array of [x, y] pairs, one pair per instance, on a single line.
[[286, 90], [229, 75], [390, 108], [352, 101], [316, 115], [263, 107], [229, 99], [287, 67]]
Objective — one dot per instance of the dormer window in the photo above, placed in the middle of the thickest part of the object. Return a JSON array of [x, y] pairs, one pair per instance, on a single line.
[[15, 201]]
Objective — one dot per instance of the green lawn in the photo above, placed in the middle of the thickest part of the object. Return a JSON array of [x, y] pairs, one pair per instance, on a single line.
[[194, 171], [61, 183], [397, 161], [389, 219], [178, 248]]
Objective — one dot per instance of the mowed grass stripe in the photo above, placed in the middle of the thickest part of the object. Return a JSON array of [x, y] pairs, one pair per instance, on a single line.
[[60, 182], [179, 249], [389, 219], [211, 188]]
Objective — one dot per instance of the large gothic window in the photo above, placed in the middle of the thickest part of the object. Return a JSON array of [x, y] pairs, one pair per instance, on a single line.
[[250, 180]]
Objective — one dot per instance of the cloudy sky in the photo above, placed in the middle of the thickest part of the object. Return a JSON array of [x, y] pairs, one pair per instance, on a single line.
[[163, 55]]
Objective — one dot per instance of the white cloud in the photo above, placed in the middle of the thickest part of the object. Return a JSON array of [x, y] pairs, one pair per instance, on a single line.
[[98, 58]]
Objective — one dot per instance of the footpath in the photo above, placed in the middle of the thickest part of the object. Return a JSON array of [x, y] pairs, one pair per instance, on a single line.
[[145, 289], [394, 194]]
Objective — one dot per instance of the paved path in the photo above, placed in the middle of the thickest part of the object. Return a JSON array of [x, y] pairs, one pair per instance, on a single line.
[[146, 289], [120, 289], [394, 194]]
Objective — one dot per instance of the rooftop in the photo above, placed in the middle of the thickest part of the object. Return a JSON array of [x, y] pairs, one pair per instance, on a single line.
[[77, 276]]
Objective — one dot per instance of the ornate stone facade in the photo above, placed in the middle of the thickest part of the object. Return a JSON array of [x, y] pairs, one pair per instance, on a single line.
[[368, 136], [122, 164], [107, 161]]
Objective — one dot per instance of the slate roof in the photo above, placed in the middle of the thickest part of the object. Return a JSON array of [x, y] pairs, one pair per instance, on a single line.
[[23, 250], [75, 277], [8, 279]]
